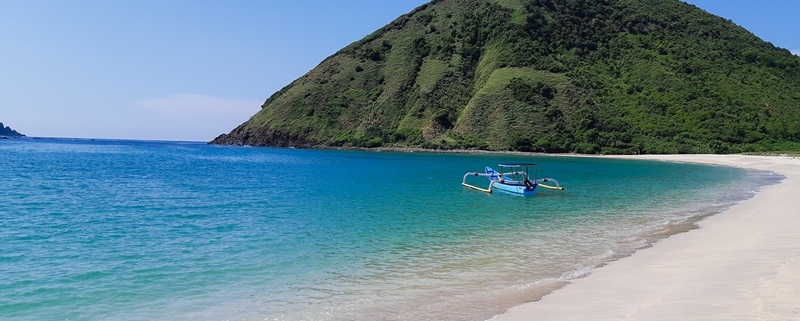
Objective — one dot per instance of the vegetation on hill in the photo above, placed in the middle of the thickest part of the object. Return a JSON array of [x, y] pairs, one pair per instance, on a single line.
[[586, 76], [6, 131]]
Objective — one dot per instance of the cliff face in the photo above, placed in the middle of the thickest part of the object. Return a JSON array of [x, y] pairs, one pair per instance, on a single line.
[[588, 76], [8, 132]]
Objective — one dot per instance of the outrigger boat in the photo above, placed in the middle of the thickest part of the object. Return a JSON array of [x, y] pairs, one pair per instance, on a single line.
[[512, 178]]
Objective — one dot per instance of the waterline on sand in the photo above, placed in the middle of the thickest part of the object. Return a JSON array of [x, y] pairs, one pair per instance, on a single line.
[[156, 230]]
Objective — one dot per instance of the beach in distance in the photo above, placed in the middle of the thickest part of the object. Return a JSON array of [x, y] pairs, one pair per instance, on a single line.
[[741, 264]]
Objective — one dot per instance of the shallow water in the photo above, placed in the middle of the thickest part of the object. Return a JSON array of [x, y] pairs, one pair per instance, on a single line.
[[110, 230]]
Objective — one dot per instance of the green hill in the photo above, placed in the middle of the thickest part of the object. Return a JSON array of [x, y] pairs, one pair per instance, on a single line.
[[586, 76]]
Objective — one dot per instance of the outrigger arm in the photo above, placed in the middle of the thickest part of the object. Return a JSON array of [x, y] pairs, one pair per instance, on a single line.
[[486, 190], [548, 180]]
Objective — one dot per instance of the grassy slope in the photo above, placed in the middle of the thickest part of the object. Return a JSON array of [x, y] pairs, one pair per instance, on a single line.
[[614, 76]]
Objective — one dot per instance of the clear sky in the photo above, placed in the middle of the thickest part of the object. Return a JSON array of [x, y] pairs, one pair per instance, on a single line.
[[193, 69]]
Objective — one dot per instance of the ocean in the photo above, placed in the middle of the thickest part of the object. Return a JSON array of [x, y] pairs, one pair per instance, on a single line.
[[142, 230]]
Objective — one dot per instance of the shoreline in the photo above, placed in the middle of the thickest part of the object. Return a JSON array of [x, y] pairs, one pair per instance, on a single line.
[[740, 264]]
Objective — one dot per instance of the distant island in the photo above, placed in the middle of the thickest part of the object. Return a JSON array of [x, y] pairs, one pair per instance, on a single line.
[[590, 77], [6, 132]]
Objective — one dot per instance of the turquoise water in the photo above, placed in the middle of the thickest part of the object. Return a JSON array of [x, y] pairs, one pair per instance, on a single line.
[[130, 230]]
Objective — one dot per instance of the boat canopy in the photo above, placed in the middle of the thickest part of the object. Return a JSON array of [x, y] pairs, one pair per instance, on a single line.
[[517, 164]]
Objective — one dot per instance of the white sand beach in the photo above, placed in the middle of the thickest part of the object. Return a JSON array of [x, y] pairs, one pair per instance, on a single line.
[[741, 264]]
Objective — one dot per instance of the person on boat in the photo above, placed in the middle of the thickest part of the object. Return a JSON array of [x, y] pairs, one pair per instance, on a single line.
[[528, 184]]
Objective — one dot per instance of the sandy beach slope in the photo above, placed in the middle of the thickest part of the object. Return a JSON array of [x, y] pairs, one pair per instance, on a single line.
[[742, 264]]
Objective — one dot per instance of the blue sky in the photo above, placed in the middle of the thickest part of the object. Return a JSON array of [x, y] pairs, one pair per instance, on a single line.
[[191, 70]]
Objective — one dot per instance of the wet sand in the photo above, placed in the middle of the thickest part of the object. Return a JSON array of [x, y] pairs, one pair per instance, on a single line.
[[741, 264]]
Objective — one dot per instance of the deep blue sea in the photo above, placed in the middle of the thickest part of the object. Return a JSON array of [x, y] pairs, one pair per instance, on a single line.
[[136, 230]]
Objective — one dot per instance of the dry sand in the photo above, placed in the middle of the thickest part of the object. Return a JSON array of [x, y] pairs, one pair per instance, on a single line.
[[741, 264]]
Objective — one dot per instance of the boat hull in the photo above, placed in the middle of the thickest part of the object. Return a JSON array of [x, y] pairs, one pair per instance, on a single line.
[[514, 189]]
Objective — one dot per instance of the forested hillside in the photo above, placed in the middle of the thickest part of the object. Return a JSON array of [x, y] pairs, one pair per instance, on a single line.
[[586, 76]]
